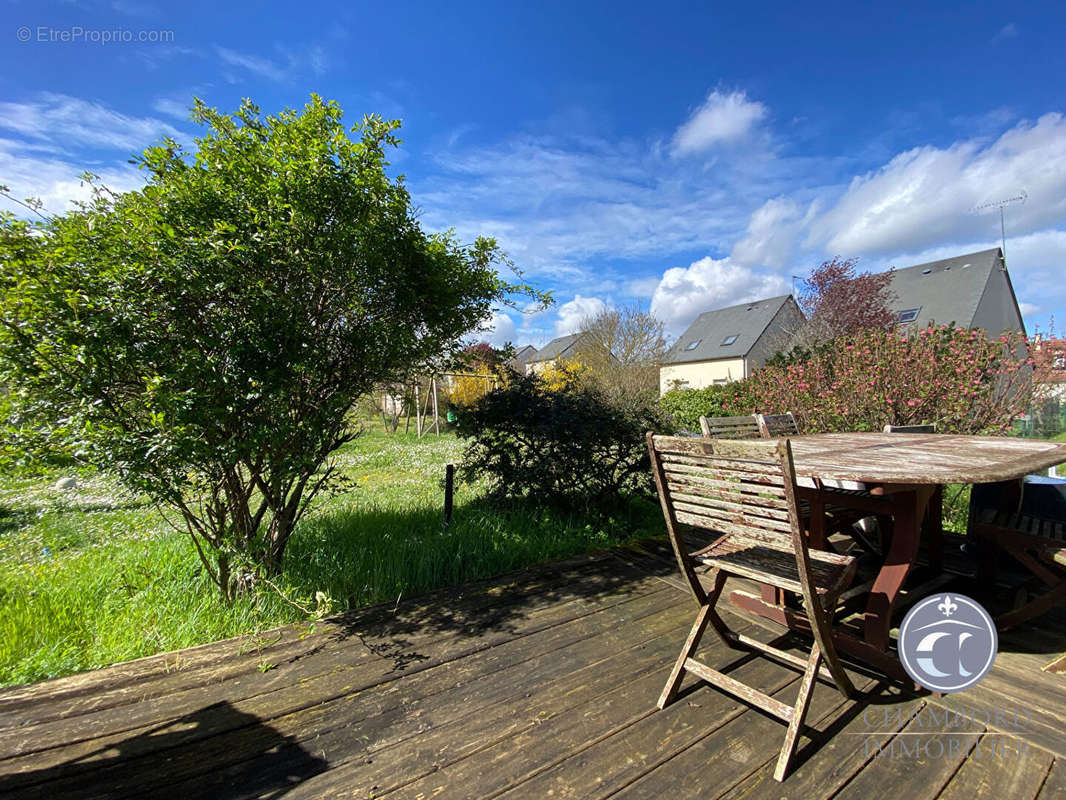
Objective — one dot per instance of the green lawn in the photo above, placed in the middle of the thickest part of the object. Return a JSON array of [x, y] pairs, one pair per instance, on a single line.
[[96, 576]]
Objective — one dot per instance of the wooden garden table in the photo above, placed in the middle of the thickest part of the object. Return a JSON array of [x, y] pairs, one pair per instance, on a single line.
[[901, 472]]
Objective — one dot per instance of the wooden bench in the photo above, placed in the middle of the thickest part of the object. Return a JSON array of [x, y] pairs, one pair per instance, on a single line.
[[1037, 544]]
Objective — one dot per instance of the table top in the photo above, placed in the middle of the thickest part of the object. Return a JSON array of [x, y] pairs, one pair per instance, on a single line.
[[922, 458]]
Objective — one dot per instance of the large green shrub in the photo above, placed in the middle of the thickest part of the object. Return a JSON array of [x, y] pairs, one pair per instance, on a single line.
[[686, 406], [206, 336], [569, 446]]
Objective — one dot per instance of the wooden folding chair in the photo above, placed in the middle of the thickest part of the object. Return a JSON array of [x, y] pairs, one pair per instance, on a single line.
[[745, 492], [776, 426], [730, 427]]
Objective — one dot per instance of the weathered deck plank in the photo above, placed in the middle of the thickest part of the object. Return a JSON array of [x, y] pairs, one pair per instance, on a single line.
[[350, 661], [733, 752], [359, 722], [540, 684], [824, 767], [1055, 783], [996, 778]]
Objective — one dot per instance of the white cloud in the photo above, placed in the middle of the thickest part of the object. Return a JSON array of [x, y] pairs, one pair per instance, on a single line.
[[1008, 31], [571, 315], [1028, 309], [65, 121], [927, 195], [553, 204], [289, 65], [686, 292], [174, 108], [263, 67], [723, 118], [771, 236], [498, 330], [52, 180], [641, 287]]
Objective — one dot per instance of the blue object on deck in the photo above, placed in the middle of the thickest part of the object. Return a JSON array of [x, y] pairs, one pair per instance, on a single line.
[[1044, 497]]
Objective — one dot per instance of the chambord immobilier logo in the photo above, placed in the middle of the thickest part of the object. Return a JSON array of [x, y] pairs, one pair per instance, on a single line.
[[947, 643]]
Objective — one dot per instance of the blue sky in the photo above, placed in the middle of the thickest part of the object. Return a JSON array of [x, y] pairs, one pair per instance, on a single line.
[[675, 157]]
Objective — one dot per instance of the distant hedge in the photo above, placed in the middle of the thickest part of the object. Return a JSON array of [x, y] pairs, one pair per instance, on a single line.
[[686, 406]]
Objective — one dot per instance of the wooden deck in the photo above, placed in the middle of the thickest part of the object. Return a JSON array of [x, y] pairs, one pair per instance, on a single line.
[[541, 684]]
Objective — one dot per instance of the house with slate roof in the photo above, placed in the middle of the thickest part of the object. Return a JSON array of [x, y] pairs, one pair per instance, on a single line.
[[521, 357], [728, 344], [972, 291], [560, 349]]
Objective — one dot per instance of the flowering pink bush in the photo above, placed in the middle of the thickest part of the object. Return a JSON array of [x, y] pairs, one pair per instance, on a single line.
[[954, 377]]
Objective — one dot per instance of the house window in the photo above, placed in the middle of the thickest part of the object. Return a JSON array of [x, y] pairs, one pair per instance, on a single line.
[[720, 381], [908, 315], [1059, 362], [730, 339], [693, 344]]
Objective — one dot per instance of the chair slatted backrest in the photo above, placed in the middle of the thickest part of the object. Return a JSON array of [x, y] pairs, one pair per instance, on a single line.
[[776, 426], [909, 429], [727, 486], [730, 427]]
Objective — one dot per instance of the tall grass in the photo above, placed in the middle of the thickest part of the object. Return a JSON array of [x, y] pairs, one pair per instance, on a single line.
[[96, 576]]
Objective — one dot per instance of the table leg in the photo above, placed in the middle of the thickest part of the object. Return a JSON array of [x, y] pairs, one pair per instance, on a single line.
[[934, 533], [909, 508], [816, 532]]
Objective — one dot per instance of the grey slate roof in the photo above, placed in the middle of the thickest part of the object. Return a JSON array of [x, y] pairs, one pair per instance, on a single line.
[[556, 348], [947, 290], [522, 356], [746, 321]]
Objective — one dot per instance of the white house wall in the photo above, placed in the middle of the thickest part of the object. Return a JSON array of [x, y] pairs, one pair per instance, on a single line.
[[699, 374]]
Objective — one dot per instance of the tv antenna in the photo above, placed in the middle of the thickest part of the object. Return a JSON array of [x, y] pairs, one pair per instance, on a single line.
[[1001, 204]]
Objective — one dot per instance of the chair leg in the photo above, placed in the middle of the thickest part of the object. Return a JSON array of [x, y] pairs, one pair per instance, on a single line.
[[799, 712], [707, 615], [691, 643]]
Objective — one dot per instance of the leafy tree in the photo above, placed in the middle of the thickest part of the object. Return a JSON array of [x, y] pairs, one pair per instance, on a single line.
[[206, 336], [837, 302]]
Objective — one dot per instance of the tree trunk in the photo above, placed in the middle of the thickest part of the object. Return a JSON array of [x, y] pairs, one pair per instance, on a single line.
[[280, 530]]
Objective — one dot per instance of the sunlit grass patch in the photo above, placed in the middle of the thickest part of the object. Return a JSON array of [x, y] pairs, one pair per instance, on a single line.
[[95, 575]]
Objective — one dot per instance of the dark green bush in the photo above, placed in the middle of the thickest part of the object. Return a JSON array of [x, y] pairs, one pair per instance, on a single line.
[[569, 446], [685, 406]]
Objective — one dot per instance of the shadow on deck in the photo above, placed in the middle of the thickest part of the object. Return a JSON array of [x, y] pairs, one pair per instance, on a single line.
[[541, 683]]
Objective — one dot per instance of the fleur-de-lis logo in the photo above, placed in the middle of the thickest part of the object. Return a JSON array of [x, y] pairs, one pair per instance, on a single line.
[[946, 607]]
